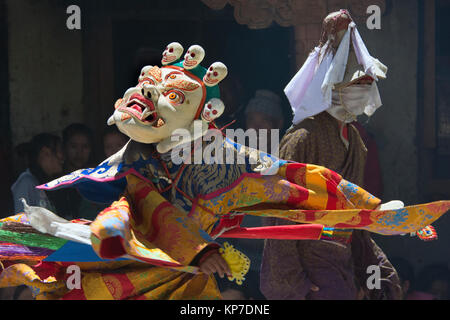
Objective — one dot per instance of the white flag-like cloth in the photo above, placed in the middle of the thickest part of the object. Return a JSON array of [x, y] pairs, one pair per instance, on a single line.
[[310, 90], [46, 221]]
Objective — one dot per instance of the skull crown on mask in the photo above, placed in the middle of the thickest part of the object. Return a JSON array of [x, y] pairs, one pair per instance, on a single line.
[[171, 97]]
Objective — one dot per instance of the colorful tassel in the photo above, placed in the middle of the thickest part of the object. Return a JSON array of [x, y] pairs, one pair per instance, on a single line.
[[25, 235], [343, 236], [238, 262], [12, 251], [427, 234]]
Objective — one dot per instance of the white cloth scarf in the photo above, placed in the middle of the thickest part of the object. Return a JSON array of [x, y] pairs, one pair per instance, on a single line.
[[311, 90], [349, 102]]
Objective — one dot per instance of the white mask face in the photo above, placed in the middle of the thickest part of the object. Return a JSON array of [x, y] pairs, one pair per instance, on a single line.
[[165, 99], [350, 102]]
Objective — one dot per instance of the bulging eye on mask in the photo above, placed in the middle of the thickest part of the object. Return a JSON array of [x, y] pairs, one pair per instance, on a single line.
[[350, 102]]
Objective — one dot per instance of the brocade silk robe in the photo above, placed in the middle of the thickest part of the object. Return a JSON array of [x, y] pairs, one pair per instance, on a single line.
[[148, 243]]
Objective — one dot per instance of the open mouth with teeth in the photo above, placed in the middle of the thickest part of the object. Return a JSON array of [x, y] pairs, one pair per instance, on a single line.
[[143, 110]]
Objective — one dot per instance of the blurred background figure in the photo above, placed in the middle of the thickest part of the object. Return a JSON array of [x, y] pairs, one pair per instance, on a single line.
[[264, 111], [232, 93], [77, 145], [45, 162], [113, 141]]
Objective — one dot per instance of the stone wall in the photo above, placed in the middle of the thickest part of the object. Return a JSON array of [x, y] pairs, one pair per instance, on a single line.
[[394, 124], [395, 127]]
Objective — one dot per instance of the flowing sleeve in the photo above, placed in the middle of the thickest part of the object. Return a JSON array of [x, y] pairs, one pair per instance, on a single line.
[[282, 272], [145, 226]]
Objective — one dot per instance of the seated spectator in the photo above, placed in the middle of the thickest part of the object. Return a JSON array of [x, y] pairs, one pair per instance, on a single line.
[[264, 111], [45, 161], [113, 141], [77, 147]]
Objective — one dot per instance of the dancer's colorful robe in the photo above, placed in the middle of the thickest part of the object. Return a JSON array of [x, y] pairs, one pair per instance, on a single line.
[[160, 240]]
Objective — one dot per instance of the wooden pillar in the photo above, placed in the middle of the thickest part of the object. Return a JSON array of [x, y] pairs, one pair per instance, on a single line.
[[306, 38], [98, 65], [307, 23]]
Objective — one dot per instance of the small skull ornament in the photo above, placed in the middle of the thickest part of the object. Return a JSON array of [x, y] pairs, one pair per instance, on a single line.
[[144, 72], [172, 53], [212, 110], [216, 73], [193, 57]]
